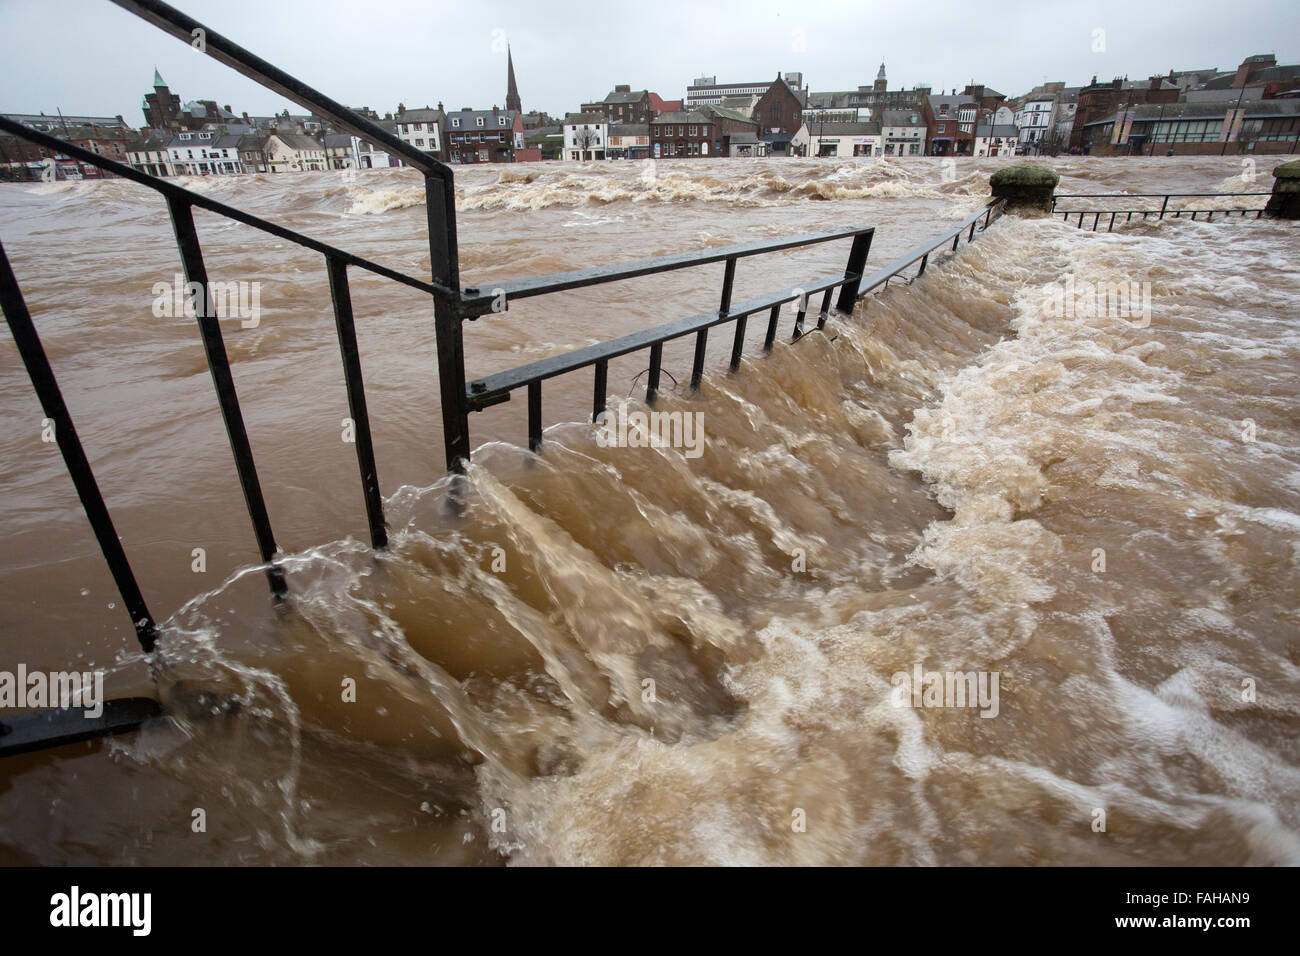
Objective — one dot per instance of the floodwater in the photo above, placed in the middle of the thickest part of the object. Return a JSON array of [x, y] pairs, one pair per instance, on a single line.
[[677, 655]]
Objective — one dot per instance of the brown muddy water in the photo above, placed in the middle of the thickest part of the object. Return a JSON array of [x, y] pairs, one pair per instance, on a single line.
[[625, 655]]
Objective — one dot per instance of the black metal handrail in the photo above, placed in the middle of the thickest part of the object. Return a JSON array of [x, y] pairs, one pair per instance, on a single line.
[[1151, 195], [496, 388], [1160, 213], [922, 252], [452, 306]]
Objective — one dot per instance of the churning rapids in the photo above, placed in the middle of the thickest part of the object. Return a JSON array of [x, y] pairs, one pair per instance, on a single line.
[[625, 655]]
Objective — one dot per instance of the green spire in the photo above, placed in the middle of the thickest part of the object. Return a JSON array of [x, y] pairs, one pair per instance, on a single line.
[[157, 79]]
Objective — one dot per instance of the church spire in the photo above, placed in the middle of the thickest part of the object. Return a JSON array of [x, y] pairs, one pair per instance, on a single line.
[[157, 79], [512, 89]]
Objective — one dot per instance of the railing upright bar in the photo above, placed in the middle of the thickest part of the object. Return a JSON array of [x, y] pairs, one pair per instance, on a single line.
[[770, 338], [697, 366], [857, 265], [187, 241], [345, 325], [440, 205], [702, 336], [535, 415], [600, 390], [728, 279], [825, 309], [738, 343], [800, 311], [652, 378], [1163, 206], [74, 456]]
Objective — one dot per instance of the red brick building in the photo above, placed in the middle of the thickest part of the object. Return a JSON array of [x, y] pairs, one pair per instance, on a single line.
[[1099, 100], [483, 136], [726, 124], [780, 109], [623, 105], [682, 135], [950, 123], [162, 107]]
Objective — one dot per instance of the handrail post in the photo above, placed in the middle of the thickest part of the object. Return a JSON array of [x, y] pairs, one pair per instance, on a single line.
[[535, 416], [1164, 206], [345, 325], [652, 378], [770, 338], [824, 312], [800, 311], [856, 266], [738, 342], [702, 336], [440, 203], [600, 388], [196, 275], [74, 456]]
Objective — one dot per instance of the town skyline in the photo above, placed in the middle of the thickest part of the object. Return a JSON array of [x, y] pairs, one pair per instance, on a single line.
[[777, 37]]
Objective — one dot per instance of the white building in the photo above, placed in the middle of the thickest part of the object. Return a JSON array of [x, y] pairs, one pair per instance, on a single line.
[[629, 141], [1036, 120], [205, 153], [844, 139], [707, 91], [293, 152], [369, 156], [903, 132], [586, 136], [422, 129], [996, 140], [150, 154]]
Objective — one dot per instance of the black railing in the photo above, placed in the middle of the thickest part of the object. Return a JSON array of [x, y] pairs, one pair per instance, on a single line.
[[452, 306], [1160, 213], [853, 285]]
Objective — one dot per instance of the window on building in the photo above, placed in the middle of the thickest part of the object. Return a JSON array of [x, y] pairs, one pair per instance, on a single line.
[[480, 121], [455, 122]]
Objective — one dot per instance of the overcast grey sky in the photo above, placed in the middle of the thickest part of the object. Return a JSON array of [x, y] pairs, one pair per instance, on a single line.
[[91, 57]]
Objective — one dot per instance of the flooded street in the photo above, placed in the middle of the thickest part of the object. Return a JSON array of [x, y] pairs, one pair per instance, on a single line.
[[623, 655]]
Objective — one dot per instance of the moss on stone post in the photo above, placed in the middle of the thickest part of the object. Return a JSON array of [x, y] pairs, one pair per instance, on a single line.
[[1285, 201], [1025, 186]]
